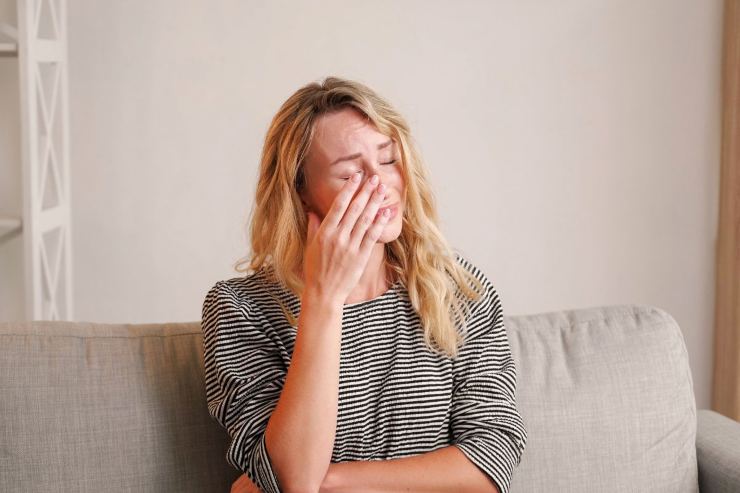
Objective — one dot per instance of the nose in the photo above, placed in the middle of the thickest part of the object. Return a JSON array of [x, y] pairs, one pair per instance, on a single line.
[[373, 172]]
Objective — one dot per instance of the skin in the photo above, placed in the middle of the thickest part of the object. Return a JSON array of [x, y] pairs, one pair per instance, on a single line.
[[340, 134]]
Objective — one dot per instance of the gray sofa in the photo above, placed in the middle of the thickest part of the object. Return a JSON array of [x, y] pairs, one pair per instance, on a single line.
[[606, 394]]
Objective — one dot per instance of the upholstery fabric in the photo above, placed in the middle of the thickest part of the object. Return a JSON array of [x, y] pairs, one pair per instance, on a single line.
[[607, 396], [88, 407], [605, 392]]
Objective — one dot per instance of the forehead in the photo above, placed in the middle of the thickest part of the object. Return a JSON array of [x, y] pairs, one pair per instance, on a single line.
[[341, 133]]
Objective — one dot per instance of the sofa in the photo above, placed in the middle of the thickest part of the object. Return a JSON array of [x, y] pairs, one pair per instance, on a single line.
[[605, 392]]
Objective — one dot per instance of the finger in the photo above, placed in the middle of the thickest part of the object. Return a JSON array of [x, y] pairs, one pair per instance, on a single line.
[[374, 232], [368, 216], [358, 205], [340, 203]]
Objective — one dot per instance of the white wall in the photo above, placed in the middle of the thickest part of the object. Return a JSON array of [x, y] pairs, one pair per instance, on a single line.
[[574, 145]]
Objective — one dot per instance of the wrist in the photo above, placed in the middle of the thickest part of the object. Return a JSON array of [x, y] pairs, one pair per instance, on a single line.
[[321, 298]]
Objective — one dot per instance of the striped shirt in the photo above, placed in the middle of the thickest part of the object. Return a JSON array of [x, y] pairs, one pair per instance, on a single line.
[[397, 398]]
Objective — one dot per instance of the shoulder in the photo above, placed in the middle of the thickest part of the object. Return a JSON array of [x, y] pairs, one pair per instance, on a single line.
[[487, 311], [236, 293], [490, 295], [467, 264], [234, 313]]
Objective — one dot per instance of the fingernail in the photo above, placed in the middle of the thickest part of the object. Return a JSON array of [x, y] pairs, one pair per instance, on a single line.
[[374, 179], [355, 178]]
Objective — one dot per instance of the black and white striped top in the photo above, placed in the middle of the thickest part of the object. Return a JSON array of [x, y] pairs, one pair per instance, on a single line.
[[396, 397]]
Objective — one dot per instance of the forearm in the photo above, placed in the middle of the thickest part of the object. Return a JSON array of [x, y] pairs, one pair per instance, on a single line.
[[301, 430], [443, 470]]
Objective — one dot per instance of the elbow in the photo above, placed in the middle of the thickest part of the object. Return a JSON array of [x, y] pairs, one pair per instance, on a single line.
[[300, 489], [300, 483], [294, 471], [301, 486], [293, 477]]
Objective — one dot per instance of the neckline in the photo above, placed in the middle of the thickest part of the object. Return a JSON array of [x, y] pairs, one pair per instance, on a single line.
[[389, 292], [360, 304], [392, 289]]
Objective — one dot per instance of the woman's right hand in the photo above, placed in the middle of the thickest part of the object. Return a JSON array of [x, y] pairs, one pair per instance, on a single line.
[[338, 248]]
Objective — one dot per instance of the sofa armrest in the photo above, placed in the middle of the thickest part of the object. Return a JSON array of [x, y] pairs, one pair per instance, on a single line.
[[717, 452]]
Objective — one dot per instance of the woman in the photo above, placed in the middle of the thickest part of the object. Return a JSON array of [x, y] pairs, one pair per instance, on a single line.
[[360, 351]]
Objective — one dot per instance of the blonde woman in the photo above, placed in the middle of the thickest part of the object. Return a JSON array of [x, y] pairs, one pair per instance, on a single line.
[[359, 351]]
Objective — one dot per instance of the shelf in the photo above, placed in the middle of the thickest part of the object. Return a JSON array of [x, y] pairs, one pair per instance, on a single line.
[[34, 42], [8, 49], [9, 46], [10, 224]]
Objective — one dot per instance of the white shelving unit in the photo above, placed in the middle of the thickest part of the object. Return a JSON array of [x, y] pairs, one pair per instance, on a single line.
[[39, 43]]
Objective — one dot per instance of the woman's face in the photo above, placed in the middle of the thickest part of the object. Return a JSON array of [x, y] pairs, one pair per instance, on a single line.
[[346, 133]]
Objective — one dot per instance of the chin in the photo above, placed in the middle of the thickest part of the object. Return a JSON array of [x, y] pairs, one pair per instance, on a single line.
[[390, 234]]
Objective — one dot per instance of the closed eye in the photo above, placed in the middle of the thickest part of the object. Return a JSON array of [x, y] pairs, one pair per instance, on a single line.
[[345, 178]]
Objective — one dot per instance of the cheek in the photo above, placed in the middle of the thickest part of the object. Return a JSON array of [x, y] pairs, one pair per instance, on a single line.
[[326, 195], [396, 180]]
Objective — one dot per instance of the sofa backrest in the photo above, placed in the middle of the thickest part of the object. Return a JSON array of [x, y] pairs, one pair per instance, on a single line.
[[607, 398], [89, 407], [605, 393]]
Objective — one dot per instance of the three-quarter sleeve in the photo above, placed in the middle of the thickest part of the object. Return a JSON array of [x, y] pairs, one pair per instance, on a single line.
[[485, 423], [244, 376]]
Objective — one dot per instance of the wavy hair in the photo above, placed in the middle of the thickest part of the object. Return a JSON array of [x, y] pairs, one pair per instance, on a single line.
[[420, 257]]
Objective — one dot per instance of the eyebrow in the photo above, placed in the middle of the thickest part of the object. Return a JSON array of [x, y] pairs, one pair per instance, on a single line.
[[357, 154]]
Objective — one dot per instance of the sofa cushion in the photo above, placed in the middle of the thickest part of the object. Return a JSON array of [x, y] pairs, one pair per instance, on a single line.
[[607, 397]]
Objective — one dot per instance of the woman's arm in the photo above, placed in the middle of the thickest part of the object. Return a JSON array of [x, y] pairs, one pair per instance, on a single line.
[[301, 430], [244, 485], [443, 470]]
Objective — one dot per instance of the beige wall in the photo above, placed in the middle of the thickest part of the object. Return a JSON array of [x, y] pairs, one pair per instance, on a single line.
[[573, 145]]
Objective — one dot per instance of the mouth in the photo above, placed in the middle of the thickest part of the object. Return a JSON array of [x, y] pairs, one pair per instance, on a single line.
[[393, 208]]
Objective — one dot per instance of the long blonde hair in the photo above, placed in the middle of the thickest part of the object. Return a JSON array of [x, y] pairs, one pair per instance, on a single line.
[[420, 257]]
